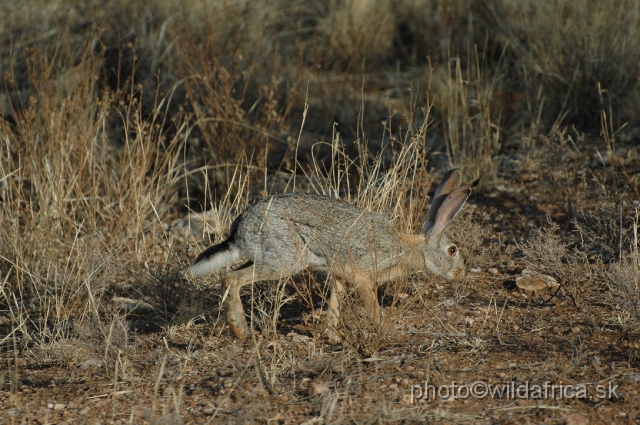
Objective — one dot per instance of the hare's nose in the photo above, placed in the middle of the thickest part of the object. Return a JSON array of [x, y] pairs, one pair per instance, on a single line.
[[458, 274]]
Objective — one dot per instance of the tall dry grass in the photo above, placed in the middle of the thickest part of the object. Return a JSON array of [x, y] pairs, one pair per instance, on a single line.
[[119, 117], [78, 210]]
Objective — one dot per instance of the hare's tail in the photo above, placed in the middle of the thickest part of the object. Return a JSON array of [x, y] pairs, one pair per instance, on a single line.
[[215, 257]]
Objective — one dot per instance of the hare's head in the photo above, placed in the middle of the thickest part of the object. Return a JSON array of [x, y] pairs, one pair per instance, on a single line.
[[441, 254]]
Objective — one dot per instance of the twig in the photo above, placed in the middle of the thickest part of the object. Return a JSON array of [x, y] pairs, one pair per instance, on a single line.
[[537, 406], [261, 375], [110, 394], [486, 369]]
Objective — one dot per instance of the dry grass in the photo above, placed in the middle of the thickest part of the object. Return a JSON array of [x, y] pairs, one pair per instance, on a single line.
[[624, 283], [133, 133]]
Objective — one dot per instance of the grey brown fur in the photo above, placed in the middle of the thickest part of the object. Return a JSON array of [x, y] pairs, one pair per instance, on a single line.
[[285, 234]]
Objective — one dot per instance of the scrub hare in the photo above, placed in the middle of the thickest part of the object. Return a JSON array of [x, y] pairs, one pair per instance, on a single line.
[[284, 234]]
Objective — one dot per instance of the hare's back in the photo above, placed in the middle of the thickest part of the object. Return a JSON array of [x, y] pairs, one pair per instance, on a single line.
[[322, 212], [316, 226]]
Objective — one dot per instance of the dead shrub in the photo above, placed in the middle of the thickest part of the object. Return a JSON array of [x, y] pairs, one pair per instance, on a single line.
[[604, 230], [624, 283], [545, 252]]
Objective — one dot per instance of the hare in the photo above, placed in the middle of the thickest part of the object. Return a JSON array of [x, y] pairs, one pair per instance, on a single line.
[[285, 234]]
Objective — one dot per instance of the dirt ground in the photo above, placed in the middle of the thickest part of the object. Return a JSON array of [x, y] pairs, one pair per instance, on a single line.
[[133, 132], [480, 351]]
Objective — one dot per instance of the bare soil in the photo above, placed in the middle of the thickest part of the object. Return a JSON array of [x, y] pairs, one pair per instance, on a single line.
[[485, 351]]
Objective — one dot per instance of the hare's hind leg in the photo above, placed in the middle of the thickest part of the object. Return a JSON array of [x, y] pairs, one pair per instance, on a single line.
[[232, 283], [333, 309]]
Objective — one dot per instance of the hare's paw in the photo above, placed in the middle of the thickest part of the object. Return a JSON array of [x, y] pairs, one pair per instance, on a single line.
[[239, 332], [237, 323], [332, 335]]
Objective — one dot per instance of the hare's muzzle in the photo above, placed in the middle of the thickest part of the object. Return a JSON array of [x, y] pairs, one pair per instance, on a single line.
[[457, 274]]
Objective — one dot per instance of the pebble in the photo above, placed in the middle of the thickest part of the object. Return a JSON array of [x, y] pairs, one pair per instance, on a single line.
[[56, 406], [317, 389]]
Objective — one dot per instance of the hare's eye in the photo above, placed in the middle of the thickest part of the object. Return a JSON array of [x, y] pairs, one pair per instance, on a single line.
[[452, 250]]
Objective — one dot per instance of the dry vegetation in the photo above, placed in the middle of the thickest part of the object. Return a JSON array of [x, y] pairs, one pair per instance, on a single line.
[[132, 133]]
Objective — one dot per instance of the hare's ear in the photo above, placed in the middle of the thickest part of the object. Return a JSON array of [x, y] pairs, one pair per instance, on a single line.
[[450, 207], [449, 182]]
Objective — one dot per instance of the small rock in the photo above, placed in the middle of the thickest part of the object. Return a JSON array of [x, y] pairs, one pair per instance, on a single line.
[[576, 419], [493, 270], [634, 377], [56, 406], [295, 337], [90, 363], [317, 389], [131, 306], [447, 399], [407, 399], [532, 282], [257, 389]]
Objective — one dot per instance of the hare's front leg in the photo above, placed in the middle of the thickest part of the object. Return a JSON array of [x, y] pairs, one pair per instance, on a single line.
[[368, 297], [232, 283], [333, 309]]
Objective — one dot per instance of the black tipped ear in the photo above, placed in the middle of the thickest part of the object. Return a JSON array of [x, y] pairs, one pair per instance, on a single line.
[[451, 206], [449, 183]]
